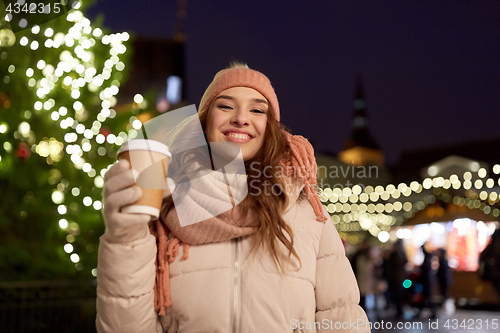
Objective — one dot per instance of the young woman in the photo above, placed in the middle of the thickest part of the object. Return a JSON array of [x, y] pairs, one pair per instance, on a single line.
[[272, 263]]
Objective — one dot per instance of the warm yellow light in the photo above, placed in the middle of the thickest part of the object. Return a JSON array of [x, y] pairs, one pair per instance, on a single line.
[[362, 208], [374, 196], [432, 171], [24, 128], [347, 191], [68, 248], [427, 184], [87, 201], [383, 236], [356, 189], [365, 223], [346, 208], [388, 208], [97, 32], [58, 197], [343, 198], [63, 223], [333, 198], [379, 208], [75, 258], [481, 172], [137, 124], [61, 209], [49, 32], [496, 169], [111, 138], [414, 186], [330, 208], [407, 206], [371, 208], [40, 64], [353, 198]]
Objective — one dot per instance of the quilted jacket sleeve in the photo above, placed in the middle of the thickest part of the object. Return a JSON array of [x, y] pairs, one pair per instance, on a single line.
[[125, 287], [337, 292]]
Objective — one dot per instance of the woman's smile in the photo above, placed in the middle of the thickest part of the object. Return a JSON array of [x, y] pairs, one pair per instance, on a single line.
[[238, 136]]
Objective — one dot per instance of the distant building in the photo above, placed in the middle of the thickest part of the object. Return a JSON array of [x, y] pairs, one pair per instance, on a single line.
[[361, 162], [158, 65], [154, 63], [361, 148]]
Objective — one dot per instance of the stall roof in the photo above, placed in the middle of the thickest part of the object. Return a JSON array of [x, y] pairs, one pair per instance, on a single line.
[[412, 161]]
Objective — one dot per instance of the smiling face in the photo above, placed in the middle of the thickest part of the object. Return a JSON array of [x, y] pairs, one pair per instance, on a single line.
[[238, 115]]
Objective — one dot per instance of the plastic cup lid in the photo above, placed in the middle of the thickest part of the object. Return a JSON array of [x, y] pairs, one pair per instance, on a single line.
[[144, 144]]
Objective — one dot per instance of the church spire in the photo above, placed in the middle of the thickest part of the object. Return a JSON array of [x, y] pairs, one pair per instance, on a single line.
[[360, 118], [179, 33], [361, 148]]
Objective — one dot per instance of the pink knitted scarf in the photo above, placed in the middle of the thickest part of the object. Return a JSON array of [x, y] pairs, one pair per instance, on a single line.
[[228, 225]]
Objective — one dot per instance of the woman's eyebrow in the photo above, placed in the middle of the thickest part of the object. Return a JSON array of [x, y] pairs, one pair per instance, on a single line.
[[231, 98], [225, 97], [258, 100]]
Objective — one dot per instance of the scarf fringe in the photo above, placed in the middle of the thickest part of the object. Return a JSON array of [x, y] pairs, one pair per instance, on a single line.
[[165, 255], [302, 165]]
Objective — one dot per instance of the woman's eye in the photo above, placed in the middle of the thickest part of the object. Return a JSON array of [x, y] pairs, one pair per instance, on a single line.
[[227, 107], [257, 111]]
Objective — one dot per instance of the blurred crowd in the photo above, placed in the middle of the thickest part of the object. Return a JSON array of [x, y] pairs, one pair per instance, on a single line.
[[389, 284]]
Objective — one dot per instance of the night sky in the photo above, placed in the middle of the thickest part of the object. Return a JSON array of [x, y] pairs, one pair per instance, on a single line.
[[431, 68]]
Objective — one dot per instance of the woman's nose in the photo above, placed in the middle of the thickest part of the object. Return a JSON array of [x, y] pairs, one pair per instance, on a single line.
[[240, 117]]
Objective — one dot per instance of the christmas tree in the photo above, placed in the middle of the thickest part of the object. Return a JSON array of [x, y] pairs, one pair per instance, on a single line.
[[60, 128]]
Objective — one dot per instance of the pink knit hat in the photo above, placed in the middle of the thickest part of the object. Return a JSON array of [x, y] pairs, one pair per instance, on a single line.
[[240, 77]]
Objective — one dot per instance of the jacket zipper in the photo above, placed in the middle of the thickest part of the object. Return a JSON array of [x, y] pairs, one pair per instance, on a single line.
[[236, 287]]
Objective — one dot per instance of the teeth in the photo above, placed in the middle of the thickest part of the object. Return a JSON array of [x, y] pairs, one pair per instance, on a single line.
[[239, 135]]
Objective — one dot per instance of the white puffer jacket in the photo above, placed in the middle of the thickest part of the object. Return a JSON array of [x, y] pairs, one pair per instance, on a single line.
[[219, 289]]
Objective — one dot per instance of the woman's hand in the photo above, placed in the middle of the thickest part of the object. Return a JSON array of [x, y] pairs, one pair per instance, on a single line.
[[119, 191]]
